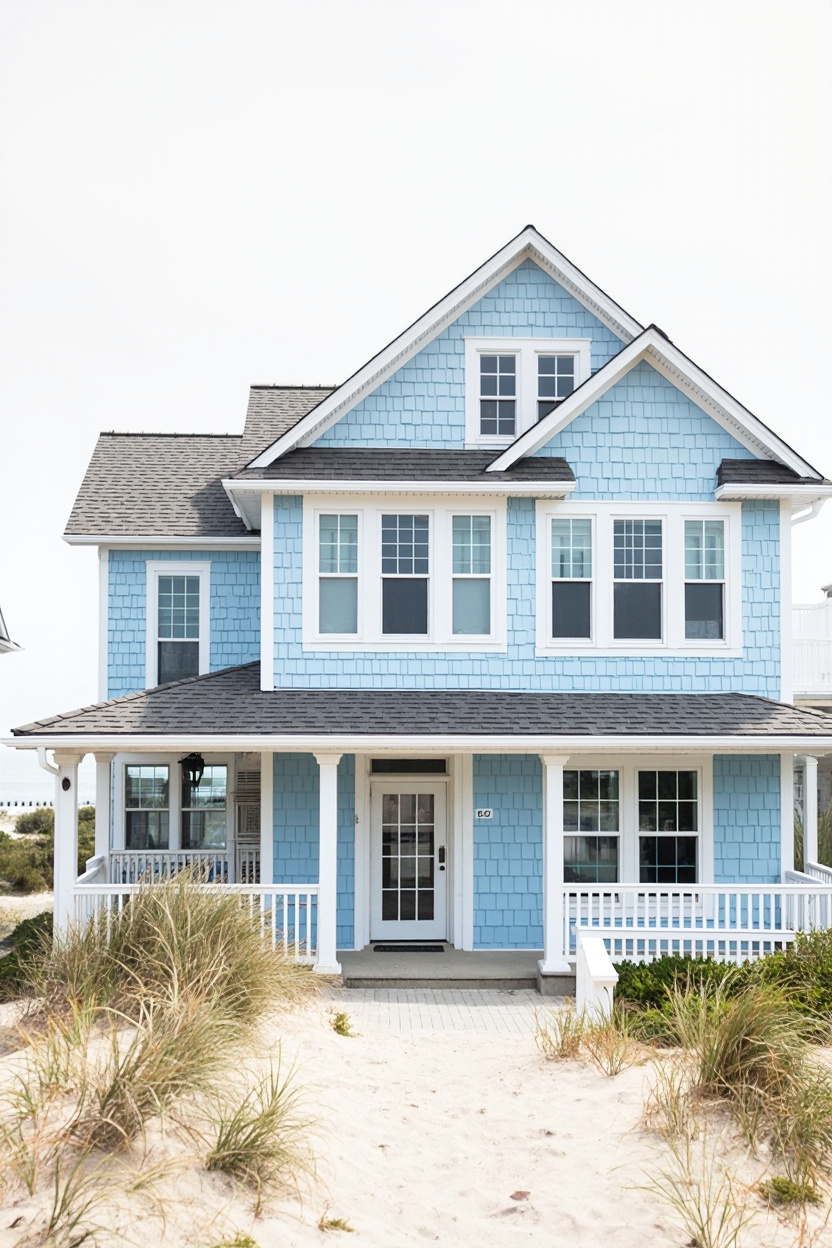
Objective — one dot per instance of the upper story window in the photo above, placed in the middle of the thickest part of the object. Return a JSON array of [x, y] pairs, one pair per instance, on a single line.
[[374, 577], [178, 616], [338, 574], [511, 383], [555, 381], [405, 568], [637, 569], [571, 578], [640, 578], [705, 579], [498, 391]]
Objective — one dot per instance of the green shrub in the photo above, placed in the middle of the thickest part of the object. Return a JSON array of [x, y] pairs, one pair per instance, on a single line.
[[649, 984], [28, 939], [27, 859]]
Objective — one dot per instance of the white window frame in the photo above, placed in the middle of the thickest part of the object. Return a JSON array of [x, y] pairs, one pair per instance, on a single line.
[[440, 636], [171, 761], [628, 767], [338, 638], [673, 516], [527, 351], [155, 569]]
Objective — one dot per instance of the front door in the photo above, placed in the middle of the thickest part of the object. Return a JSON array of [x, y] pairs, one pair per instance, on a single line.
[[409, 862]]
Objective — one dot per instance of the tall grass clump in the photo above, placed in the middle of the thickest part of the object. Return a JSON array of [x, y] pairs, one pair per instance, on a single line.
[[564, 1034], [173, 941], [712, 1206], [262, 1139]]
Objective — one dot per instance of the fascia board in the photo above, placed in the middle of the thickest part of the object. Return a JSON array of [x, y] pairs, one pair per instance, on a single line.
[[538, 489], [802, 494], [682, 372], [155, 542], [528, 244], [474, 743]]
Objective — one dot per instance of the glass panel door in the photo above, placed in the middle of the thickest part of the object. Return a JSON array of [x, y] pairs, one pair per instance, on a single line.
[[409, 862]]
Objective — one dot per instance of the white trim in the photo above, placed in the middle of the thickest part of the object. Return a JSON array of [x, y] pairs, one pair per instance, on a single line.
[[170, 759], [267, 594], [170, 568], [668, 360], [527, 350], [141, 541], [673, 644], [499, 486], [421, 743], [786, 610], [266, 817], [103, 622], [528, 244], [466, 838], [799, 495], [786, 814], [362, 852], [369, 637], [554, 960]]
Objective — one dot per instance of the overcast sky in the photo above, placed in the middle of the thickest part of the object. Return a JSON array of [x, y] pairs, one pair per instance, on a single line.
[[197, 195]]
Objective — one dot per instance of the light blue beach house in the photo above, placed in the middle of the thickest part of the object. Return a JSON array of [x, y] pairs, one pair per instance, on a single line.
[[487, 646]]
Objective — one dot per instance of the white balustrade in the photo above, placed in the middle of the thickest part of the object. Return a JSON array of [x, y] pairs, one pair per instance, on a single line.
[[287, 914], [817, 871], [248, 865], [136, 866], [812, 672]]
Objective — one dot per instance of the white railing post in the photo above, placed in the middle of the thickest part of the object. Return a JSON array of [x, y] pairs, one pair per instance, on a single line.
[[266, 817], [595, 976], [555, 952], [810, 809], [66, 838], [327, 960], [103, 774]]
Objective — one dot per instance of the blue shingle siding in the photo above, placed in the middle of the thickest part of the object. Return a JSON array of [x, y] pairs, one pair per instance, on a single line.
[[296, 826], [235, 611], [423, 403], [645, 420], [508, 852], [746, 818], [758, 671]]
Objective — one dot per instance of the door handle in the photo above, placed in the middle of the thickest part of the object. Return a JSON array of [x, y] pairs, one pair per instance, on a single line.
[[441, 852]]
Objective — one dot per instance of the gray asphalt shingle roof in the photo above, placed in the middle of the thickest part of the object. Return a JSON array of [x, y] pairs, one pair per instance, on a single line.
[[272, 411], [230, 702], [393, 463], [761, 472]]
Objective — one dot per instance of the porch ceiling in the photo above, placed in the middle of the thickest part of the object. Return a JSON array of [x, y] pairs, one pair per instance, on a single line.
[[228, 709]]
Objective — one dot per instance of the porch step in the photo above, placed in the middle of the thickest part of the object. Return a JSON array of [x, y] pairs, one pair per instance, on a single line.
[[454, 968]]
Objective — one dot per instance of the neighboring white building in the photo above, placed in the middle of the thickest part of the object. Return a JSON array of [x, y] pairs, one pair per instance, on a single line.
[[6, 643], [812, 635]]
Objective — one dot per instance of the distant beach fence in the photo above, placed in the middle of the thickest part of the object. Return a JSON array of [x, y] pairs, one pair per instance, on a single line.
[[36, 803]]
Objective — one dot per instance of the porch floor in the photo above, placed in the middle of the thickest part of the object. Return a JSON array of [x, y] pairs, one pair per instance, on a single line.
[[455, 968]]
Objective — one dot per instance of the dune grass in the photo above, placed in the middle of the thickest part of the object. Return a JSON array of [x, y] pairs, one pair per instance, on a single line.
[[564, 1034]]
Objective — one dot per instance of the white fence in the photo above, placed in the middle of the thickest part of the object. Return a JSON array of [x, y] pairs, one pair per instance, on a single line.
[[287, 913], [812, 671], [731, 923]]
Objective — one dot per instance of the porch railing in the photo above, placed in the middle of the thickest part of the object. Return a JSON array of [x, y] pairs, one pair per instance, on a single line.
[[132, 866], [729, 922], [817, 871], [287, 913]]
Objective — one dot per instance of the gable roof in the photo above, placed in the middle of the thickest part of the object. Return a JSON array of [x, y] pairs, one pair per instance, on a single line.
[[653, 346], [273, 410], [529, 244], [230, 703], [334, 465]]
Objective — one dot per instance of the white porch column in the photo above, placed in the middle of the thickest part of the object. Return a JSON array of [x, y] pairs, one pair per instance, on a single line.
[[327, 960], [554, 945], [66, 837], [267, 817], [103, 776], [810, 810]]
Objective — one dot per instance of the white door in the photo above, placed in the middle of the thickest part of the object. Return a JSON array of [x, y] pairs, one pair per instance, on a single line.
[[409, 862]]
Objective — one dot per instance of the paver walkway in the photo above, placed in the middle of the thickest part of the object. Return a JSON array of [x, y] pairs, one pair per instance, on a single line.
[[441, 1009]]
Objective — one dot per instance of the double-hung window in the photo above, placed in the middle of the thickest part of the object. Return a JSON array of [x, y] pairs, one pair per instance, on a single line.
[[668, 822], [591, 825], [705, 579], [204, 811], [405, 572], [555, 381], [146, 806], [571, 578], [177, 628], [471, 575], [338, 574], [637, 572], [498, 395]]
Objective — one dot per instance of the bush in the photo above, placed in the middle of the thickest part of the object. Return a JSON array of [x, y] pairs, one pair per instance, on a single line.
[[27, 859], [27, 940], [650, 984]]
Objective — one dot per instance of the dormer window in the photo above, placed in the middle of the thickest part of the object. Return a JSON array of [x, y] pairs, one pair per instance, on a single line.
[[511, 383], [498, 395]]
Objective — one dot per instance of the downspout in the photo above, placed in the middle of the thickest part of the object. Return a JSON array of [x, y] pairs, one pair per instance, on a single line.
[[810, 514], [44, 762]]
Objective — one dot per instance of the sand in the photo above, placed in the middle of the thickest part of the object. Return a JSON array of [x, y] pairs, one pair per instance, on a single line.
[[458, 1137]]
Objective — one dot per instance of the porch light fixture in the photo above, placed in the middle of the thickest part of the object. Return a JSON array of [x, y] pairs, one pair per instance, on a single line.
[[193, 768]]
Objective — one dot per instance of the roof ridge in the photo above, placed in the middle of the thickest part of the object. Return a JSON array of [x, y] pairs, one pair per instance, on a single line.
[[142, 433], [306, 385]]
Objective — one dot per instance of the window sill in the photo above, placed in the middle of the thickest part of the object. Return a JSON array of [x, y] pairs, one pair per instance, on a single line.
[[630, 650], [405, 645]]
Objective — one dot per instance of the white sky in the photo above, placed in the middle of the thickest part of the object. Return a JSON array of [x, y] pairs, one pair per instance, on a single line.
[[196, 195]]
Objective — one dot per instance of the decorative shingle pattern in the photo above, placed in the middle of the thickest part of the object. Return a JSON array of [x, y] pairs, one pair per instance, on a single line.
[[404, 464], [272, 411], [761, 472], [158, 485], [231, 702]]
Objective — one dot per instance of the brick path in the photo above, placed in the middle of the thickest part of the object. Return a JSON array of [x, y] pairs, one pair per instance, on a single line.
[[441, 1009]]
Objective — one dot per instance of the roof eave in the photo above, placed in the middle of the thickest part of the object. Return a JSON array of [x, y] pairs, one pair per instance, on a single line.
[[146, 541]]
